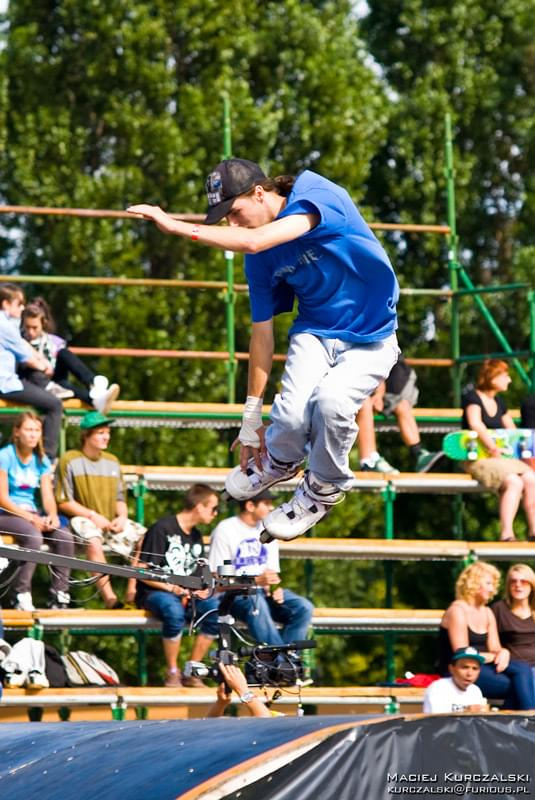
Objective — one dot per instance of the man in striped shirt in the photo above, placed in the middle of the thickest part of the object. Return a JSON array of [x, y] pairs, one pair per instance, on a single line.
[[90, 490]]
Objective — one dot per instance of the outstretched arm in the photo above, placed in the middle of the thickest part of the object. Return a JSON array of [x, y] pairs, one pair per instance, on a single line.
[[235, 238]]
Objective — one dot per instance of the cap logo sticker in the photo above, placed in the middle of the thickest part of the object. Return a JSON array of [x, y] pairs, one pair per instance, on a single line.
[[214, 185]]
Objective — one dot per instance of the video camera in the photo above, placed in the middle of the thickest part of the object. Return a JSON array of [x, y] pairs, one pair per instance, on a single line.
[[263, 665]]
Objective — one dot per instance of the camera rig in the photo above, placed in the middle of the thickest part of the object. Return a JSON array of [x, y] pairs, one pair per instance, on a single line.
[[264, 664], [200, 578]]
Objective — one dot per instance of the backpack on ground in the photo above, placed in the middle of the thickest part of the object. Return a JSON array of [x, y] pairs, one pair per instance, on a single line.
[[86, 669], [55, 668]]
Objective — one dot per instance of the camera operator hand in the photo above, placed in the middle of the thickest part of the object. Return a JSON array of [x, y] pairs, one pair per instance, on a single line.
[[278, 594], [267, 578], [235, 680], [201, 594]]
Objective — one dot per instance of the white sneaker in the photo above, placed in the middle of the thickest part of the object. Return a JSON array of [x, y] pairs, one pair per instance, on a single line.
[[24, 602], [244, 485], [380, 464], [304, 510], [59, 599], [5, 650], [103, 401], [36, 680], [59, 391], [14, 677]]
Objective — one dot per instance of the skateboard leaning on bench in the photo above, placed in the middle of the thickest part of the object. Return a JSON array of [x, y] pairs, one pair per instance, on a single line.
[[513, 443]]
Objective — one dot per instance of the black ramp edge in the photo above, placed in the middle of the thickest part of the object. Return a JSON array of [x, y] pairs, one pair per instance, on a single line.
[[433, 756]]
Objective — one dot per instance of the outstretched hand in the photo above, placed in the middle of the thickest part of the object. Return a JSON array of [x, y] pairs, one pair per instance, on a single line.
[[154, 213]]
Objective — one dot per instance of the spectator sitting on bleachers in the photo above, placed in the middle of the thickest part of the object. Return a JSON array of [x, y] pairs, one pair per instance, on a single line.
[[25, 471], [236, 540], [511, 478], [468, 621], [14, 350], [515, 614], [90, 490], [458, 692], [38, 327], [174, 542], [397, 395]]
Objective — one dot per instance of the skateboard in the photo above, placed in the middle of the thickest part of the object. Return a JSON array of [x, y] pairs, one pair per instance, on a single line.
[[513, 442]]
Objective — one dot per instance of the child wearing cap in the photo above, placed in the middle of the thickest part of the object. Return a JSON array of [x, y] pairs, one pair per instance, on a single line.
[[458, 692]]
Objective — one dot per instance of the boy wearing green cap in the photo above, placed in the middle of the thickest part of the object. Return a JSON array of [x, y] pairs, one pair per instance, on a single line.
[[458, 692], [90, 490]]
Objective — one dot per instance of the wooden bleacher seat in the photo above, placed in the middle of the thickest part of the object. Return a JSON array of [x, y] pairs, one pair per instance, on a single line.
[[100, 703], [406, 549], [324, 619], [141, 413], [331, 620], [16, 620], [162, 477]]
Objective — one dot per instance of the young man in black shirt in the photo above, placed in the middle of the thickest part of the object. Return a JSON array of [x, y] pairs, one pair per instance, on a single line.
[[175, 542]]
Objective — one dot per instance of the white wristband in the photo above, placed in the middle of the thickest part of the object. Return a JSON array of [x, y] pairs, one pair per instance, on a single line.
[[251, 422]]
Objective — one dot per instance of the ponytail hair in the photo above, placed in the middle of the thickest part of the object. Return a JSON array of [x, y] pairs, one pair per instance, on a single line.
[[282, 184], [40, 308]]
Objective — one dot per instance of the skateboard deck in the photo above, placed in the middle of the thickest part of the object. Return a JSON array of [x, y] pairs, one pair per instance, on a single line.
[[513, 442]]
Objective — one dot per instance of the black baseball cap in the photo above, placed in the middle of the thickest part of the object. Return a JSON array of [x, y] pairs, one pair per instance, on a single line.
[[265, 494], [229, 179]]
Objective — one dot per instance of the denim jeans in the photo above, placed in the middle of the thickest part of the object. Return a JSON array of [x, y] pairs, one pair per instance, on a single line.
[[169, 609], [324, 384], [514, 685], [261, 613]]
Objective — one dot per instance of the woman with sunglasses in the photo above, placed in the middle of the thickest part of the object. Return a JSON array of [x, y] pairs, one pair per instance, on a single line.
[[515, 614]]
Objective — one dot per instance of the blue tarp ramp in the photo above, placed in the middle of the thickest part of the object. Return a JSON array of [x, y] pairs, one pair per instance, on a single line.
[[284, 758]]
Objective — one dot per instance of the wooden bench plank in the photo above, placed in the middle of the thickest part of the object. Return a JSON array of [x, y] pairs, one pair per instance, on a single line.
[[162, 696], [163, 477], [376, 619], [332, 619], [405, 549], [141, 413], [12, 618], [95, 619]]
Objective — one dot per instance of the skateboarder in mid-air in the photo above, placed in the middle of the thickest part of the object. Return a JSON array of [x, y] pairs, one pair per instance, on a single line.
[[303, 238]]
